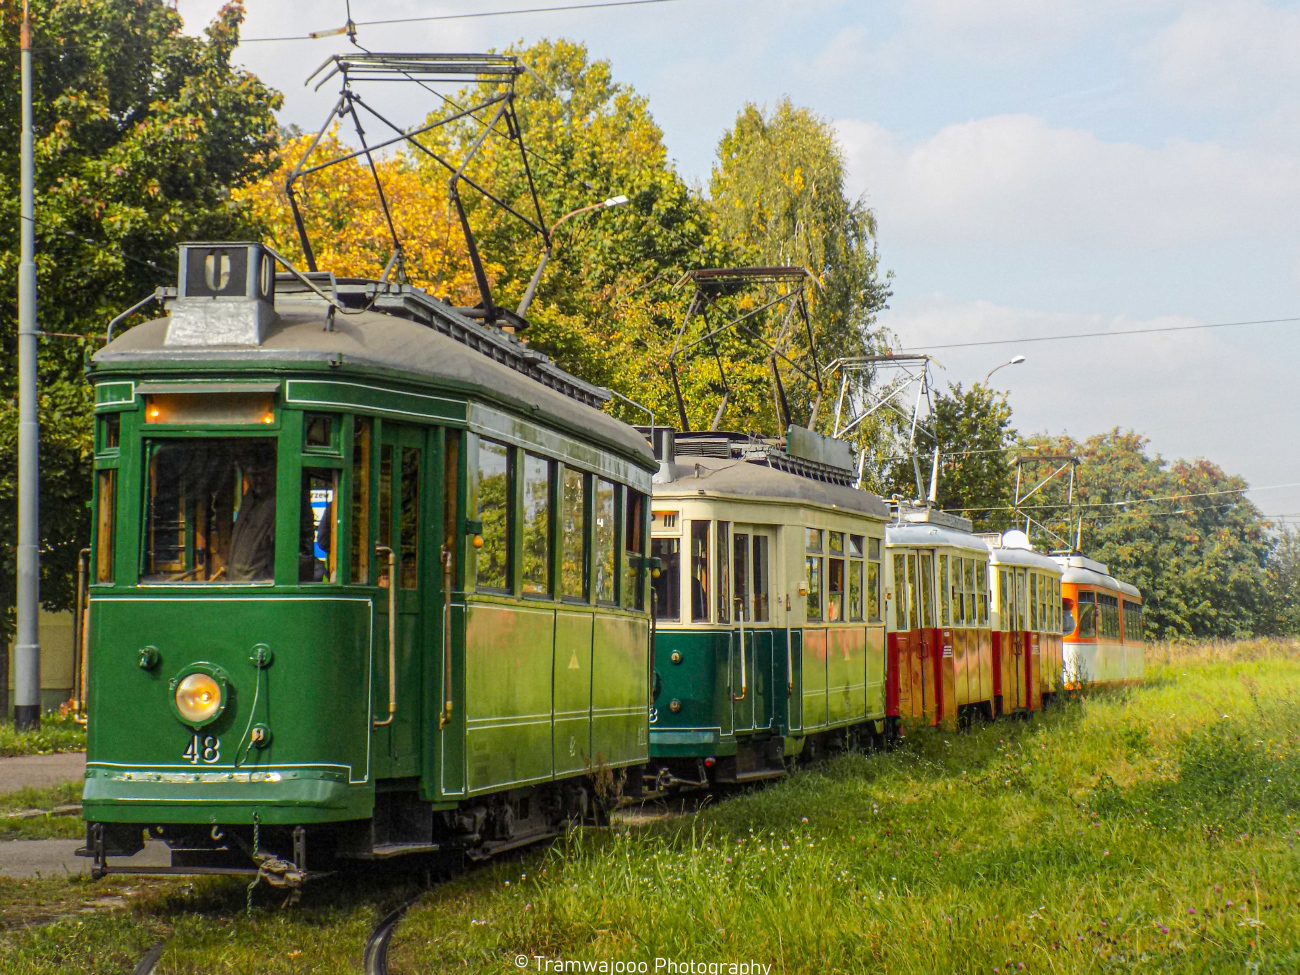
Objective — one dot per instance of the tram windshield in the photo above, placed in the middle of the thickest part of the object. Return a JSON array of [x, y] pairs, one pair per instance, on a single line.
[[211, 511]]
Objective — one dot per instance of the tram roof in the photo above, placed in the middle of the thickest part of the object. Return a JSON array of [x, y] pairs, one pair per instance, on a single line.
[[927, 535], [1081, 576], [396, 345], [1027, 557], [751, 481]]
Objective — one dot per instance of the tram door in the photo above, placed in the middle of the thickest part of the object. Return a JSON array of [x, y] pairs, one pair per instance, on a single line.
[[751, 663], [1019, 642], [395, 744]]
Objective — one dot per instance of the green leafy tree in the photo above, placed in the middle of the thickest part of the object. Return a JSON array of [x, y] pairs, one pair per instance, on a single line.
[[778, 190], [1183, 532], [1284, 583], [141, 134], [975, 436]]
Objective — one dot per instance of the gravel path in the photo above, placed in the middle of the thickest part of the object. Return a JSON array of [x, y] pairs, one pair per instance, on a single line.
[[41, 771]]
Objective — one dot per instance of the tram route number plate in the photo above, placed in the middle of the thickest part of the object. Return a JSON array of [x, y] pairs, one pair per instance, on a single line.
[[203, 750]]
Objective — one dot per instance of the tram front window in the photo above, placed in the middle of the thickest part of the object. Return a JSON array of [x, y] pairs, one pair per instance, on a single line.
[[211, 511]]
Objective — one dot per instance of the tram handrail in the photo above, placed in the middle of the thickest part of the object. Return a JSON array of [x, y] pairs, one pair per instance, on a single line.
[[448, 702], [79, 631], [392, 636], [744, 682]]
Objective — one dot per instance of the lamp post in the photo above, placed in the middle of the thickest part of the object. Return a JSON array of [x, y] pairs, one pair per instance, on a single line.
[[1010, 362], [27, 647], [613, 201]]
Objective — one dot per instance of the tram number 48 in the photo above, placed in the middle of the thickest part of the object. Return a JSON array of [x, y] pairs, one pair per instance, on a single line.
[[205, 749]]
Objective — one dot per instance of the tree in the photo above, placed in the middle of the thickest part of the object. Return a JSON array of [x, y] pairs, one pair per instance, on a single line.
[[1284, 583], [1181, 531], [141, 135], [778, 192], [975, 435]]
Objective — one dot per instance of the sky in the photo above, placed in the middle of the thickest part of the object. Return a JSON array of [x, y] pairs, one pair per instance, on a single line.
[[1037, 168]]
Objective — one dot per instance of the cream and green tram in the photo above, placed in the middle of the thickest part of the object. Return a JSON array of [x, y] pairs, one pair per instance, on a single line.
[[770, 631]]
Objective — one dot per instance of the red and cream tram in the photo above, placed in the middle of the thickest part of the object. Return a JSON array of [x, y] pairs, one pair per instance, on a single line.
[[1026, 610], [940, 651]]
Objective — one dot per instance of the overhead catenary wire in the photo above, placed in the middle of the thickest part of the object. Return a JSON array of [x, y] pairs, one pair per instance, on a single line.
[[466, 16], [1113, 334], [1118, 504]]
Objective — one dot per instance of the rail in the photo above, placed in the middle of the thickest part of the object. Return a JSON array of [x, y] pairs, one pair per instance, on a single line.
[[392, 635]]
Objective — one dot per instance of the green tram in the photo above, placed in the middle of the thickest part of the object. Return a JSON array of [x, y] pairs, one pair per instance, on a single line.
[[367, 577], [770, 632]]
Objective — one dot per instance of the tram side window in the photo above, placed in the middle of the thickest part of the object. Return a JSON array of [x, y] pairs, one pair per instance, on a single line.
[[972, 603], [210, 511], [1004, 620], [874, 613], [573, 535], [1108, 616], [900, 593], [761, 600], [700, 571], [913, 607], [856, 577], [958, 591], [668, 587], [835, 578], [606, 523], [813, 570], [945, 592], [105, 523], [1022, 606], [361, 500], [1033, 601], [633, 548], [495, 510], [1087, 616], [318, 555], [535, 572], [1132, 622], [408, 541], [982, 591], [927, 589]]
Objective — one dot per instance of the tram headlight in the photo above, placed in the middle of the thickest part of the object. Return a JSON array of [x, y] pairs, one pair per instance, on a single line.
[[199, 698]]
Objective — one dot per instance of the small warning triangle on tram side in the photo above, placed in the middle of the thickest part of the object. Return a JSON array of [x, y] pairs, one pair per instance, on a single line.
[[573, 661]]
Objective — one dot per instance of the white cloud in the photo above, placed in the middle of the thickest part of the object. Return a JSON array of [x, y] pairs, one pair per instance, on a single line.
[[1227, 53], [1015, 178]]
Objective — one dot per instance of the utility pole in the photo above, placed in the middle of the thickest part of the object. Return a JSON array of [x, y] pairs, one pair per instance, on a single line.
[[27, 646]]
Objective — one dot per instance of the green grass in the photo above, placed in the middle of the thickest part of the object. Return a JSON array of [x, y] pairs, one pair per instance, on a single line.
[[1151, 830], [49, 826], [58, 733]]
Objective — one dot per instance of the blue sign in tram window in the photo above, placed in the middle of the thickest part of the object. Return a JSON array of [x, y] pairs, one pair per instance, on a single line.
[[320, 503]]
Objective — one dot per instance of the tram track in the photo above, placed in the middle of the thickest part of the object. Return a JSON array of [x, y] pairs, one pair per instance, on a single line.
[[149, 960]]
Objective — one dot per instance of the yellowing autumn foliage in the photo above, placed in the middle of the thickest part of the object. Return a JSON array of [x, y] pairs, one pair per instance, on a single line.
[[346, 225]]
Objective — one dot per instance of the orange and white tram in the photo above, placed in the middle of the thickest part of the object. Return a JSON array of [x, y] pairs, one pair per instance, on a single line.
[[1103, 630]]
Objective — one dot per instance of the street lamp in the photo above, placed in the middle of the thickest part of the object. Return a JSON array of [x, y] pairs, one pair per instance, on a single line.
[[613, 201], [1011, 362]]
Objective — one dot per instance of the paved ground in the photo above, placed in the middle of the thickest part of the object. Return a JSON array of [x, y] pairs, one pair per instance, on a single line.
[[57, 858], [41, 771]]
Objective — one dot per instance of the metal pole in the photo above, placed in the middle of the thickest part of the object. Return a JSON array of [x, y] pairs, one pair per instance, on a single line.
[[27, 648]]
